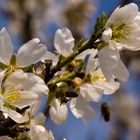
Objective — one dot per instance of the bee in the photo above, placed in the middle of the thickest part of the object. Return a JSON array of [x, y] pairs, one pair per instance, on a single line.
[[64, 96], [64, 100], [69, 94], [105, 111]]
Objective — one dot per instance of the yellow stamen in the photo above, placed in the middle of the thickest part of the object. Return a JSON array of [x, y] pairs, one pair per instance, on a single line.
[[98, 76], [12, 96], [119, 31]]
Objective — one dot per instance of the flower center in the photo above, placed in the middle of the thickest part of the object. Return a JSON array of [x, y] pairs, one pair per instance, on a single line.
[[12, 96], [98, 76], [119, 31]]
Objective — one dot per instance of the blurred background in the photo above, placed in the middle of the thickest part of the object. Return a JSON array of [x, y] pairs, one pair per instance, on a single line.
[[25, 19]]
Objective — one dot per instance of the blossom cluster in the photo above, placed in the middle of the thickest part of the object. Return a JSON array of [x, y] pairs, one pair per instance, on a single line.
[[74, 75]]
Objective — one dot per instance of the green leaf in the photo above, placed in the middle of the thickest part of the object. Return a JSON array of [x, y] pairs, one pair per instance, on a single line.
[[99, 25], [103, 20]]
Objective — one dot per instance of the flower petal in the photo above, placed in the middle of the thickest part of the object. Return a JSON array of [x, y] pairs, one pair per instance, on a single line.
[[64, 41], [107, 34], [81, 109], [92, 62], [121, 71], [2, 73], [30, 53], [35, 106], [90, 93], [133, 41], [58, 113], [108, 87], [1, 101], [15, 116], [108, 58], [17, 80], [39, 119], [26, 81], [38, 132], [115, 45], [26, 98], [112, 65], [91, 65], [123, 14], [6, 48], [137, 18], [38, 86], [84, 54]]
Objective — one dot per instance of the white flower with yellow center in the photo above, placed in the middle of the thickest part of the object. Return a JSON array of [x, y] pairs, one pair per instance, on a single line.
[[91, 91], [122, 28], [98, 86], [59, 113], [19, 91], [122, 31], [29, 53], [64, 44]]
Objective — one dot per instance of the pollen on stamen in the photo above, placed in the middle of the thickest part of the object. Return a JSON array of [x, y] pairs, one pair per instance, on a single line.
[[98, 76], [12, 96], [120, 32]]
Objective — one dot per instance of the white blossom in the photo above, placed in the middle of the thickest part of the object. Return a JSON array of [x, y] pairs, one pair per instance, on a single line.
[[64, 41], [122, 31], [20, 90], [82, 109], [29, 53], [92, 62], [91, 92], [98, 86], [64, 44], [15, 92], [58, 112], [123, 28], [65, 35], [111, 64]]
